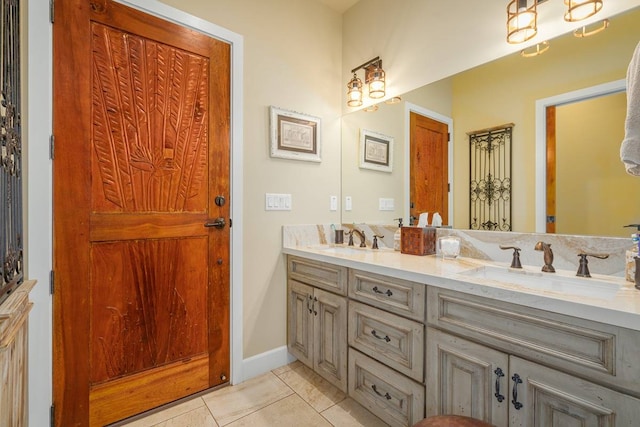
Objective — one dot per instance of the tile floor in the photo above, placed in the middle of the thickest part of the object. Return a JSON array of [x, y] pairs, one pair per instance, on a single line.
[[289, 396]]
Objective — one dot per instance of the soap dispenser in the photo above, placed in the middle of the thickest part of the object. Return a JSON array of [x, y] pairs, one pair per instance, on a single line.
[[397, 236], [631, 255]]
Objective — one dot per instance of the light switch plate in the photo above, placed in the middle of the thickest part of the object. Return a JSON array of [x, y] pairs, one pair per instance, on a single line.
[[347, 203], [277, 202], [386, 204], [333, 203]]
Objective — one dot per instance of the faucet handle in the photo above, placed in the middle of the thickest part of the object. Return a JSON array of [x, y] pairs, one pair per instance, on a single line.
[[515, 261], [374, 245], [350, 234], [583, 269]]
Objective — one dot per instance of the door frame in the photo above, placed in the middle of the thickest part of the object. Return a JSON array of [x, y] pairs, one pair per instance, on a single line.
[[541, 138], [413, 108]]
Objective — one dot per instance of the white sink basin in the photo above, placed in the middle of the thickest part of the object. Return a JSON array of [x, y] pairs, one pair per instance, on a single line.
[[549, 282], [351, 250]]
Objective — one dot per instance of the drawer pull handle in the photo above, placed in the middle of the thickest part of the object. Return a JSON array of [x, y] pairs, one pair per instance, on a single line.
[[516, 380], [386, 395], [375, 334], [499, 374], [309, 304], [378, 291]]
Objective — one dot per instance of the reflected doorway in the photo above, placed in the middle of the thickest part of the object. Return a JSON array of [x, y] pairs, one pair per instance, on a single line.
[[429, 167]]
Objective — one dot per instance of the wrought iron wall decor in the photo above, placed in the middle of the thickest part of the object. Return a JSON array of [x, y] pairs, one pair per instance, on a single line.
[[490, 162], [11, 241]]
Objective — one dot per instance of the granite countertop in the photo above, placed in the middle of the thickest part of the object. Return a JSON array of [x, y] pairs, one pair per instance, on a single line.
[[602, 298]]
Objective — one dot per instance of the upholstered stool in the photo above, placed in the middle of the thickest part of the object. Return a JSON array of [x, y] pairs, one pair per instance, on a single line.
[[451, 421]]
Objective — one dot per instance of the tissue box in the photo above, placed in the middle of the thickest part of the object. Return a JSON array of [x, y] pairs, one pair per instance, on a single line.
[[418, 240]]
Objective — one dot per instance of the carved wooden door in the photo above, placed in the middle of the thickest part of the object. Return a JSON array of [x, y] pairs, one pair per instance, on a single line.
[[141, 248], [429, 174]]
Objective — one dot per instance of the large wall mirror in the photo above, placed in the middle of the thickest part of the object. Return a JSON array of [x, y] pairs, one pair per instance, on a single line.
[[506, 91]]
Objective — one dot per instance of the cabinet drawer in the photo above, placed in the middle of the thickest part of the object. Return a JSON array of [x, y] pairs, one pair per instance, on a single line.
[[394, 398], [395, 295], [388, 338], [332, 278], [590, 349]]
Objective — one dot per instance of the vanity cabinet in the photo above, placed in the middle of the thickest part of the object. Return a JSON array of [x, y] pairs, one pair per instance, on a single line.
[[317, 319], [466, 378], [386, 346], [516, 366]]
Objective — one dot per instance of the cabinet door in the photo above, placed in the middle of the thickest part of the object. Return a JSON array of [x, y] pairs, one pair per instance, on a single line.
[[464, 378], [549, 398], [330, 334], [300, 322]]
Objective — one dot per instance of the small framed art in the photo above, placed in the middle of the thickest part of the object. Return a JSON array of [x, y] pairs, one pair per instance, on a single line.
[[295, 135], [376, 151]]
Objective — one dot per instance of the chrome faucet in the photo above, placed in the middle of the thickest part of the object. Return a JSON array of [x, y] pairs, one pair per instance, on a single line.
[[548, 256], [360, 234]]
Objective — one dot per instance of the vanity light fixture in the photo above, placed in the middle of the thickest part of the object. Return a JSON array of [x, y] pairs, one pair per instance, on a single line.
[[522, 20], [536, 50], [394, 100], [577, 10], [374, 77], [589, 30], [370, 108], [354, 94]]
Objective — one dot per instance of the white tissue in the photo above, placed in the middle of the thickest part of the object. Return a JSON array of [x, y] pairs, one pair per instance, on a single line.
[[423, 220], [436, 221]]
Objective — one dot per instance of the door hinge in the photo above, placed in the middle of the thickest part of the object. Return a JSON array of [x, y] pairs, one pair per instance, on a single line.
[[448, 187], [52, 416], [51, 282], [52, 145], [230, 223], [51, 13], [448, 136]]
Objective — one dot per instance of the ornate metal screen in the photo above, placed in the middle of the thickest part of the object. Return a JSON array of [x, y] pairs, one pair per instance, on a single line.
[[10, 150], [490, 155]]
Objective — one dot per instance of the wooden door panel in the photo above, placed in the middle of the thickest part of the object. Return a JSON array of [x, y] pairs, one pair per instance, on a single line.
[[429, 186], [148, 305], [142, 119], [149, 127]]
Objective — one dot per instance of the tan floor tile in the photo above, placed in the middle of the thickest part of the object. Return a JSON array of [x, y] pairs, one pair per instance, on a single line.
[[229, 404], [350, 413], [316, 391], [171, 412], [288, 412], [286, 368], [200, 417]]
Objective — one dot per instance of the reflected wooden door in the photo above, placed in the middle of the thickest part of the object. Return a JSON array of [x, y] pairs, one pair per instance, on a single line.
[[429, 182], [141, 121]]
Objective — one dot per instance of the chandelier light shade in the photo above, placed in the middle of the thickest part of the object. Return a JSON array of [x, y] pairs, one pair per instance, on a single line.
[[577, 10], [536, 50], [374, 77], [589, 30], [522, 20], [354, 92]]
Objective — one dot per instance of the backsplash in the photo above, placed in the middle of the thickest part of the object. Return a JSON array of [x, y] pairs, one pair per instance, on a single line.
[[486, 245]]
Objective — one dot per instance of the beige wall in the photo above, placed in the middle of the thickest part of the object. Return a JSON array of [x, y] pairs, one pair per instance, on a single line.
[[598, 196], [505, 91], [292, 58]]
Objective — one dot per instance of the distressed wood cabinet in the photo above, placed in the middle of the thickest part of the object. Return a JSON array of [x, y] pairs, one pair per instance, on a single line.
[[317, 319], [14, 314], [578, 372]]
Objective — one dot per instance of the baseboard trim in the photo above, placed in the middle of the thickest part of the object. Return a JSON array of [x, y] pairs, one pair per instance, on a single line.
[[265, 362]]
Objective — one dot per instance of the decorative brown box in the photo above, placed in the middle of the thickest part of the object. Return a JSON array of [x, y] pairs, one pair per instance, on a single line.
[[418, 240]]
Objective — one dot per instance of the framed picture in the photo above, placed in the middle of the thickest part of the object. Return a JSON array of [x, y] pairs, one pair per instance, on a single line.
[[295, 135], [376, 151]]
